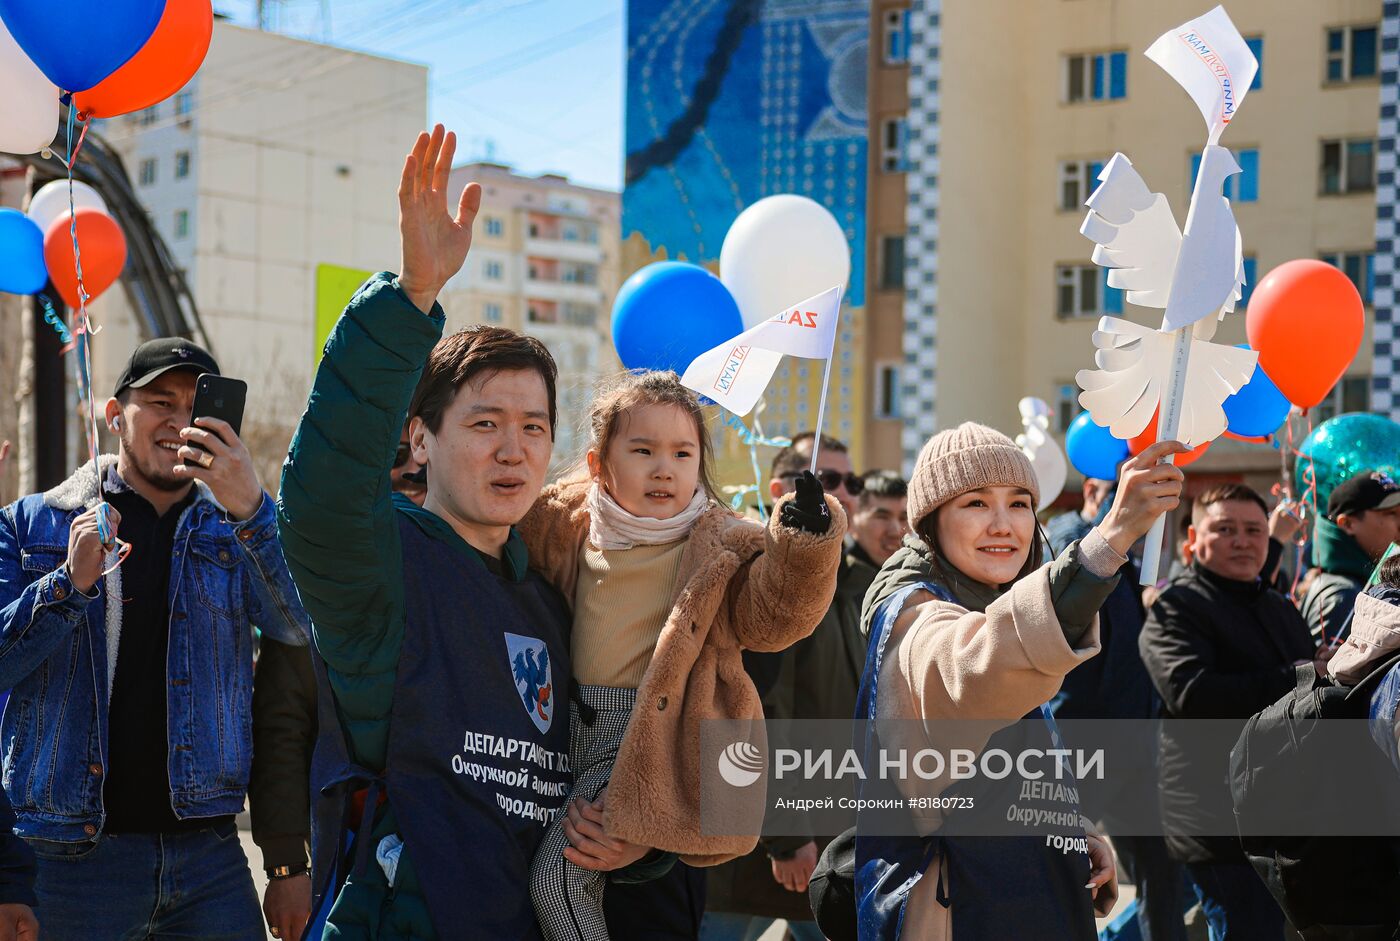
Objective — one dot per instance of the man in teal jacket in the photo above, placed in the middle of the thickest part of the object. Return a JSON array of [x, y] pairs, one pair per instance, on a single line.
[[1363, 519], [445, 659]]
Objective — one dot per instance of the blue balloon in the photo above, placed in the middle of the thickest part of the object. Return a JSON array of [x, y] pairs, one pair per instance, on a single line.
[[78, 43], [1092, 450], [670, 312], [22, 268], [1259, 408]]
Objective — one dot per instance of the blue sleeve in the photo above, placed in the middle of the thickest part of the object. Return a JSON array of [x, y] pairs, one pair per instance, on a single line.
[[275, 608], [35, 617]]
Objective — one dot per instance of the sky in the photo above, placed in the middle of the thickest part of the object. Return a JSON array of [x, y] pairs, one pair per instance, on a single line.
[[536, 84]]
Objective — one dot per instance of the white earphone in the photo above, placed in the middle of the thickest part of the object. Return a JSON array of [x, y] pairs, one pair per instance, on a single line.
[[116, 423]]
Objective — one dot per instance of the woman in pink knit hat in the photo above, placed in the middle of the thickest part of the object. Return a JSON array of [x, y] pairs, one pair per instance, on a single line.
[[966, 623]]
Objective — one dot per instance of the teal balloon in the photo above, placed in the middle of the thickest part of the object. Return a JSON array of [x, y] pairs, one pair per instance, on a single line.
[[1342, 447], [22, 269], [1092, 450]]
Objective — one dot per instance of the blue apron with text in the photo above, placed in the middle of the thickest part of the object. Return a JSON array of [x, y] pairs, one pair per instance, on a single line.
[[477, 763], [997, 887]]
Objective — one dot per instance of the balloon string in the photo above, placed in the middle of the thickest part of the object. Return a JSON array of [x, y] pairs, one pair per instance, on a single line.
[[82, 333], [753, 440]]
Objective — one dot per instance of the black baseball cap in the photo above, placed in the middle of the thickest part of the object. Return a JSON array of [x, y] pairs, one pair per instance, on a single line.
[[155, 357], [1371, 490]]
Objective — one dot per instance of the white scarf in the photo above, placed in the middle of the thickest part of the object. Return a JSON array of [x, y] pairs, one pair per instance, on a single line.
[[612, 527]]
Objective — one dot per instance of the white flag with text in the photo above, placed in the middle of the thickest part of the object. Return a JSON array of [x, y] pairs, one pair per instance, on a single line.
[[735, 373], [1210, 59]]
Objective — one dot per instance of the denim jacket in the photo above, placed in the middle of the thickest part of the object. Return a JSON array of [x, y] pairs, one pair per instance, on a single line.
[[58, 655]]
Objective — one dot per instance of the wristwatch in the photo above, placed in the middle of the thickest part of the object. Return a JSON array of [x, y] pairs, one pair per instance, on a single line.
[[285, 872]]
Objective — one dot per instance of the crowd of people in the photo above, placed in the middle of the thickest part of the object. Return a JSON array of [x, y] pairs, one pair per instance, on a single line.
[[479, 695]]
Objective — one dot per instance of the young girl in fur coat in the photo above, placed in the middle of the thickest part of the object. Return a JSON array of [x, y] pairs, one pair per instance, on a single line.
[[667, 587]]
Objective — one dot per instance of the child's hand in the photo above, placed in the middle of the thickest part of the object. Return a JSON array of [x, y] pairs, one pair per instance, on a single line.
[[807, 511], [590, 846]]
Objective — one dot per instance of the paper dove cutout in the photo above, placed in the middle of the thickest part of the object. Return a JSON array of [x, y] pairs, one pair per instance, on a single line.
[[1137, 239], [1134, 365], [1047, 460]]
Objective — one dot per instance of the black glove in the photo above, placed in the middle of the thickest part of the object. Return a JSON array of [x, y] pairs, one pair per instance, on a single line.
[[807, 511]]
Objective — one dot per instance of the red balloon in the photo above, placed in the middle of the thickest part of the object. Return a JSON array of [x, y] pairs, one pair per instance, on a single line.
[[163, 65], [1306, 320], [1142, 442], [102, 246]]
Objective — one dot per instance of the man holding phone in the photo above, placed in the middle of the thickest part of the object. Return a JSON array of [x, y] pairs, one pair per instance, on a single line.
[[128, 738]]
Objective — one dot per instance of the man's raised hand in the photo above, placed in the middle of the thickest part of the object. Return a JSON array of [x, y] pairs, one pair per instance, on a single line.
[[434, 243]]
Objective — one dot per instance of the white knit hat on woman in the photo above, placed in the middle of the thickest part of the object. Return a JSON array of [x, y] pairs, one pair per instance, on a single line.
[[968, 457]]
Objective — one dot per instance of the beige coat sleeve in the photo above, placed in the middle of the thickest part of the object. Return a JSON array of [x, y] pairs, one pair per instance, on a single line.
[[780, 597], [960, 664]]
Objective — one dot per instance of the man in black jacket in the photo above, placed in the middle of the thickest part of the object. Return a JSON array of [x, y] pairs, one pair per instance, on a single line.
[[1220, 644]]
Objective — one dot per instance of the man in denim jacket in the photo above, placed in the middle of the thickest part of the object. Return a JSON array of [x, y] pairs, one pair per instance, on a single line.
[[127, 740]]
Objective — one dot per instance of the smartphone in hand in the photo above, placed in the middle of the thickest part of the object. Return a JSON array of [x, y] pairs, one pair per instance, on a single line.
[[218, 397]]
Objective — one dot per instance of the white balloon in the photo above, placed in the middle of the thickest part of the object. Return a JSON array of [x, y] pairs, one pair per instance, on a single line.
[[1047, 460], [780, 251], [51, 201], [28, 101]]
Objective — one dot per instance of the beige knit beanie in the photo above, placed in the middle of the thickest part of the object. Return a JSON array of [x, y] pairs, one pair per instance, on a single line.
[[968, 457]]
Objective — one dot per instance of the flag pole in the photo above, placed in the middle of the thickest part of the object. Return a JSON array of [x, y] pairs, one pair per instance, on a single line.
[[826, 381]]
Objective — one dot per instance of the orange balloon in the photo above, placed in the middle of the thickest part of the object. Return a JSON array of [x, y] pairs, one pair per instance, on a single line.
[[102, 246], [1148, 438], [160, 68], [1306, 320]]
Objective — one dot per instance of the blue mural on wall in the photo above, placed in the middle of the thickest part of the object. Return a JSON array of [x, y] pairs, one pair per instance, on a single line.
[[729, 101]]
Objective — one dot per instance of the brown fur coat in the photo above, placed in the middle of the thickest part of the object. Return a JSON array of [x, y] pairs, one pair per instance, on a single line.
[[740, 586]]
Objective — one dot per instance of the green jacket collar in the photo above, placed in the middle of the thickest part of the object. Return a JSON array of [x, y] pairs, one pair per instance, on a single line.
[[1337, 552], [515, 559]]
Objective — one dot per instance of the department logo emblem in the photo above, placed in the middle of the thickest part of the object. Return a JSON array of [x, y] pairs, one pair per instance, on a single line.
[[528, 658]]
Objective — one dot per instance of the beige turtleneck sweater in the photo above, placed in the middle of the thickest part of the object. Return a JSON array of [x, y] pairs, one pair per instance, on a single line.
[[621, 604]]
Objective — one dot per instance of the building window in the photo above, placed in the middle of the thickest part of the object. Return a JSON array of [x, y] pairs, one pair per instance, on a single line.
[[1351, 53], [1077, 180], [1067, 407], [1256, 46], [1083, 291], [579, 274], [590, 235], [182, 164], [894, 145], [580, 315], [1242, 187], [148, 171], [896, 37], [1359, 267], [1251, 267], [491, 313], [1099, 76], [149, 115], [494, 227], [887, 390], [1350, 394], [184, 104], [491, 270], [892, 263], [1348, 166], [182, 223]]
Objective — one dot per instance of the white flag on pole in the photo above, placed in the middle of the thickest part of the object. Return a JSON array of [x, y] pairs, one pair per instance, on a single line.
[[1210, 59], [735, 373]]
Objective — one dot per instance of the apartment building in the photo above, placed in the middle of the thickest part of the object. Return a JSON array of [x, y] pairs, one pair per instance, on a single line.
[[280, 157], [544, 260], [993, 142]]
